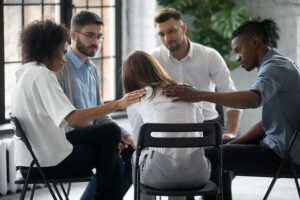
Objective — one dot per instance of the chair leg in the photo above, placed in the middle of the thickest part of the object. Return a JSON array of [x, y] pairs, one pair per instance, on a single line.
[[57, 192], [23, 193], [69, 188], [32, 192], [64, 191], [295, 177], [46, 182], [274, 179]]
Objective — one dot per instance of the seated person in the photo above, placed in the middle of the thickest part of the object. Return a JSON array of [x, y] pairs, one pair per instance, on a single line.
[[163, 168], [276, 90], [43, 110]]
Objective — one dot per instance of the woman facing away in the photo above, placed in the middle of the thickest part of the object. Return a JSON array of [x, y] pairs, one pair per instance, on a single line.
[[43, 110], [163, 168]]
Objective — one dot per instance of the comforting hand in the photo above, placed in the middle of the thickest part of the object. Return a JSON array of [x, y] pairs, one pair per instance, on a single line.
[[183, 93], [130, 98]]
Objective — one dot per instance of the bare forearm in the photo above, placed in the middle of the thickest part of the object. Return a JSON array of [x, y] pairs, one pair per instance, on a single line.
[[233, 124], [254, 134], [82, 116], [241, 100]]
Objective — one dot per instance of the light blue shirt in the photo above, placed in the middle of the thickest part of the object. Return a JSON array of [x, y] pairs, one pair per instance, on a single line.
[[85, 95], [278, 84]]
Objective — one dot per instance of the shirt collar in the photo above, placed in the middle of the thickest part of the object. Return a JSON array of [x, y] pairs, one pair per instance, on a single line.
[[75, 60], [268, 55], [188, 55]]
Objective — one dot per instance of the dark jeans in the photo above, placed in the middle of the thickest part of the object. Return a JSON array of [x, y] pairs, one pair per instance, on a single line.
[[93, 147], [243, 159], [126, 176]]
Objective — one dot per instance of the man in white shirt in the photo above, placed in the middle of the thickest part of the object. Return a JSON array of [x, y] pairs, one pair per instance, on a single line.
[[194, 64]]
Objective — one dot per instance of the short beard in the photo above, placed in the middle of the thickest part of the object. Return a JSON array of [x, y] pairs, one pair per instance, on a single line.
[[83, 49], [173, 49]]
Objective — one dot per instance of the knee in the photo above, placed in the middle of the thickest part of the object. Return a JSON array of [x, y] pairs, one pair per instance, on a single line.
[[114, 132]]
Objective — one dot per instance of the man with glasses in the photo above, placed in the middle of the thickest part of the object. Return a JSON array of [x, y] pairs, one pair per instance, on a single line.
[[80, 82]]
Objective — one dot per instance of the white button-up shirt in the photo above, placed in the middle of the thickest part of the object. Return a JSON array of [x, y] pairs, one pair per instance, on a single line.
[[161, 109], [202, 67], [41, 106]]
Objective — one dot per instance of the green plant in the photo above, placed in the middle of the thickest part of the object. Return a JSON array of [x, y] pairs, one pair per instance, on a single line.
[[212, 22]]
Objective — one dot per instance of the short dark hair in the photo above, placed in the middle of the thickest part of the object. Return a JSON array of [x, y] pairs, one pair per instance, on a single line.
[[85, 18], [41, 39], [267, 29], [166, 14]]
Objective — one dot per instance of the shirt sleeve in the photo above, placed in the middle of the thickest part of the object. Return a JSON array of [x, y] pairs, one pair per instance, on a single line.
[[267, 84], [135, 120], [220, 75], [54, 100]]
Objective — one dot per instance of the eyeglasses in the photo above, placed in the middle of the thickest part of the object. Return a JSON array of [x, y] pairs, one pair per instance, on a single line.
[[91, 37]]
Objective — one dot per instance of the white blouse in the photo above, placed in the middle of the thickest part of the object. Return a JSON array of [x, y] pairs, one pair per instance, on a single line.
[[161, 109], [202, 67], [41, 106]]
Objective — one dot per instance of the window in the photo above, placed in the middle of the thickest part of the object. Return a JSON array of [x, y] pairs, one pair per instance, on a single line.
[[21, 12]]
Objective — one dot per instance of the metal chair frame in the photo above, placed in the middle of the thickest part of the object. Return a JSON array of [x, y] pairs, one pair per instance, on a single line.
[[20, 134], [211, 137]]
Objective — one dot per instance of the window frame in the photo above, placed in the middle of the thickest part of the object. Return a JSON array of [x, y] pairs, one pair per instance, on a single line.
[[66, 10]]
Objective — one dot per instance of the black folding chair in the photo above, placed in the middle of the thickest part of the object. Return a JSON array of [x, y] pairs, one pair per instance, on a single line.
[[211, 137], [20, 134], [286, 159], [283, 171]]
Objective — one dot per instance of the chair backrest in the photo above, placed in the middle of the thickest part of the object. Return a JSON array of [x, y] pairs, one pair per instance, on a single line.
[[292, 141], [220, 110], [211, 135], [20, 134]]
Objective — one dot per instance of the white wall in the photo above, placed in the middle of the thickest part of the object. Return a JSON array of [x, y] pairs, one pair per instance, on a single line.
[[286, 14]]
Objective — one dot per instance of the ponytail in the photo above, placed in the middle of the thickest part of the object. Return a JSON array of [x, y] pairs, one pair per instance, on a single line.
[[267, 29], [271, 32]]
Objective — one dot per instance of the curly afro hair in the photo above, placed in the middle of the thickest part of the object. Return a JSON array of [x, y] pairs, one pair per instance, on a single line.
[[41, 39]]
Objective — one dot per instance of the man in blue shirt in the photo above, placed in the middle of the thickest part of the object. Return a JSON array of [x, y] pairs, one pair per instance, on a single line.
[[80, 82], [277, 90]]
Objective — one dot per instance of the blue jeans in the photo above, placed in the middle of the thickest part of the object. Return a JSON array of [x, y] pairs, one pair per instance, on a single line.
[[125, 162]]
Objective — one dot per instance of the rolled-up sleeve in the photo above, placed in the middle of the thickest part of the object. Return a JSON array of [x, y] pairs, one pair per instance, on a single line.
[[267, 84]]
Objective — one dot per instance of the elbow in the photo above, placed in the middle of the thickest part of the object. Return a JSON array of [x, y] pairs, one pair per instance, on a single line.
[[254, 100], [71, 119], [75, 121]]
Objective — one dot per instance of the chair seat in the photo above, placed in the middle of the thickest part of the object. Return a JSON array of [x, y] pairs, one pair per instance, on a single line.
[[85, 178], [209, 189]]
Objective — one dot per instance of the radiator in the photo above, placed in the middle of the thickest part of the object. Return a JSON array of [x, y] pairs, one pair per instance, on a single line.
[[7, 167]]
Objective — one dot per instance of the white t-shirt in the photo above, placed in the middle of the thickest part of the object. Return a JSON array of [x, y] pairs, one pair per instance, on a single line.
[[41, 107], [161, 109], [202, 67]]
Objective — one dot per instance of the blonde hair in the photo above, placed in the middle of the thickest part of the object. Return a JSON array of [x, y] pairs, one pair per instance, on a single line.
[[140, 69]]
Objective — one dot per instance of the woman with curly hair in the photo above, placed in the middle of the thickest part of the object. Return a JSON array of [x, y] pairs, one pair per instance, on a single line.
[[163, 168], [43, 110]]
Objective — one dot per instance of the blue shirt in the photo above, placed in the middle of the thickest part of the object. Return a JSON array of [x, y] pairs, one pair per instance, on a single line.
[[85, 95], [278, 84]]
